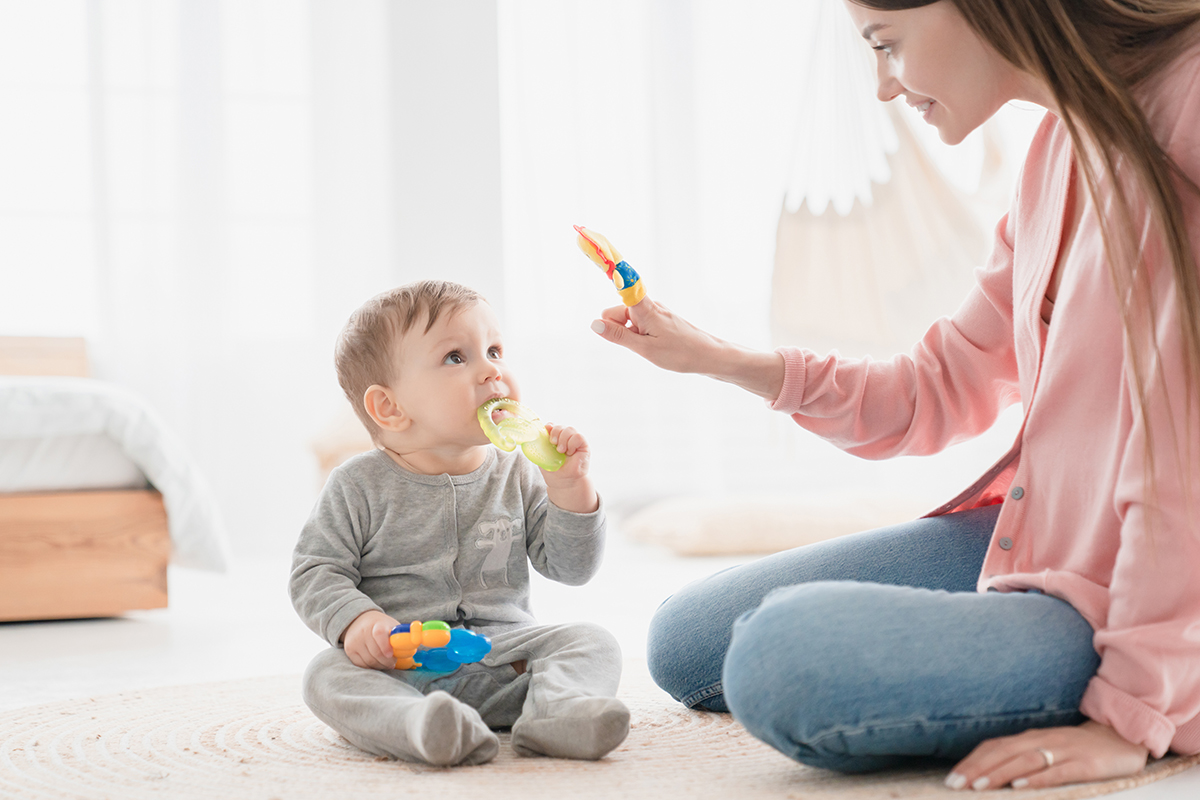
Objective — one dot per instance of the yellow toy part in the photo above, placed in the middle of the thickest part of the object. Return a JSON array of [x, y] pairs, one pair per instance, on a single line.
[[405, 643], [624, 277], [598, 248], [436, 647], [521, 428]]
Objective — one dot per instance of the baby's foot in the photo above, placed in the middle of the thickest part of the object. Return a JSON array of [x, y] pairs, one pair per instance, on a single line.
[[586, 728], [443, 731]]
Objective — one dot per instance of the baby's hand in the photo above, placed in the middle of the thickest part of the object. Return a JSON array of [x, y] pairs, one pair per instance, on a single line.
[[570, 443], [367, 641], [569, 487]]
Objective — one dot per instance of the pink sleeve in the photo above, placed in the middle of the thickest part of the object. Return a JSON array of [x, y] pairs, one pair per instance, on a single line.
[[1148, 684], [952, 386]]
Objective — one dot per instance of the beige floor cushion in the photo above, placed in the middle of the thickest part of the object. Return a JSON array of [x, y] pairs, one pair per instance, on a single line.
[[728, 525]]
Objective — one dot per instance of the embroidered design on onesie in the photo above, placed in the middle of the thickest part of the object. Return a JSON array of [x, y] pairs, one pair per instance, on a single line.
[[498, 537]]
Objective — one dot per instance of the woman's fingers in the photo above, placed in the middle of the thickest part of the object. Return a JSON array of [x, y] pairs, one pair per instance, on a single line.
[[618, 333], [1045, 757], [979, 766], [618, 315], [1058, 775], [644, 315], [637, 319], [657, 335], [1023, 765]]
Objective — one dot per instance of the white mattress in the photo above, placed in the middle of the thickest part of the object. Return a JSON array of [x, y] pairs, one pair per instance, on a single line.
[[66, 463], [60, 434]]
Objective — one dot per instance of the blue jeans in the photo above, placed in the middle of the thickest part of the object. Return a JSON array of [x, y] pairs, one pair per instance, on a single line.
[[868, 651]]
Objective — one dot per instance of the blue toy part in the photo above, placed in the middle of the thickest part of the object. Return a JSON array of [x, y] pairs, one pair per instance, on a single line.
[[464, 647], [624, 276]]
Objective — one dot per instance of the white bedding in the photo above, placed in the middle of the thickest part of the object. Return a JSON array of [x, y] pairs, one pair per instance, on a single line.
[[77, 433], [66, 463]]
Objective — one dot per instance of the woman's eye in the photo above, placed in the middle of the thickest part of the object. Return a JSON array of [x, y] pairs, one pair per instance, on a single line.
[[454, 358], [886, 49]]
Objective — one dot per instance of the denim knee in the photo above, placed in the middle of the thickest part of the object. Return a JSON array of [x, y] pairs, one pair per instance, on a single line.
[[760, 690], [790, 694], [684, 654]]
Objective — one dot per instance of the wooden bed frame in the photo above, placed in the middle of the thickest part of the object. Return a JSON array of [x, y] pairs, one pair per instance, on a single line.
[[66, 555]]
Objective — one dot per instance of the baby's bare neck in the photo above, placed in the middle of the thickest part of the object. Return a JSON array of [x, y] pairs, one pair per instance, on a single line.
[[444, 460]]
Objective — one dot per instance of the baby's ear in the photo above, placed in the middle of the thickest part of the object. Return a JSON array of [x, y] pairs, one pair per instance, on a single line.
[[381, 406]]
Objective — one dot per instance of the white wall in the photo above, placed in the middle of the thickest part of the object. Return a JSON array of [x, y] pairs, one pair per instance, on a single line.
[[207, 188], [667, 126]]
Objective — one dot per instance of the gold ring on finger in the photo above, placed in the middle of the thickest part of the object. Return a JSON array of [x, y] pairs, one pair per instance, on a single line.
[[1047, 755]]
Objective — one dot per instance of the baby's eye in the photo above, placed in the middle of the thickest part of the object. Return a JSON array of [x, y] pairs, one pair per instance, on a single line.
[[494, 352], [454, 357]]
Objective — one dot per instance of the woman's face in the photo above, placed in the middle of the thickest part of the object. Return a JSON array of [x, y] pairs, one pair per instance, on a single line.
[[936, 61]]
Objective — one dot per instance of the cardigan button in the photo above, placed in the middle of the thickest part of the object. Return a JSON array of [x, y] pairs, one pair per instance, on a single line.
[[1017, 493], [1006, 543]]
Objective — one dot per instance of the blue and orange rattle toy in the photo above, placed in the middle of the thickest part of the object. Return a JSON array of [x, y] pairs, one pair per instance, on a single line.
[[436, 647], [624, 277], [520, 426]]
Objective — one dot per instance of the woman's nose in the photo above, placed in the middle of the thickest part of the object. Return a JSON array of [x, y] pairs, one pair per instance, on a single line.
[[889, 88]]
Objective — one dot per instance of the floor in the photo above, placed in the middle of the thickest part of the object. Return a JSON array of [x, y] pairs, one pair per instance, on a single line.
[[241, 624]]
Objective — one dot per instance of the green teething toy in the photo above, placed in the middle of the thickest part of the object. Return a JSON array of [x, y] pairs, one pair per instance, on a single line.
[[524, 429]]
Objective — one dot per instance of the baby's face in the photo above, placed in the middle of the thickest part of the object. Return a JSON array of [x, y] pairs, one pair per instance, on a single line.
[[447, 373]]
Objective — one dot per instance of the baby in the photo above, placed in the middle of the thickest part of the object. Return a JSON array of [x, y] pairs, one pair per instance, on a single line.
[[436, 524]]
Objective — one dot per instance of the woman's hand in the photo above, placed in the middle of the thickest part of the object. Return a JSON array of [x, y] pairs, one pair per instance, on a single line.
[[657, 335], [1042, 757], [669, 341], [367, 641]]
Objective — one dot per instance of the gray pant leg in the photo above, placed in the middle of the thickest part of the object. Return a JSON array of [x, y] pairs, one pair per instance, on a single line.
[[381, 712], [497, 692], [563, 662]]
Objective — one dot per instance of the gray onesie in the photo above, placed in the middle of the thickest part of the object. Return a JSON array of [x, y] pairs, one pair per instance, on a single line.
[[456, 548]]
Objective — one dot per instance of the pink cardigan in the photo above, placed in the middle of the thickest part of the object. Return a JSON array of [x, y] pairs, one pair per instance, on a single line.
[[1074, 521]]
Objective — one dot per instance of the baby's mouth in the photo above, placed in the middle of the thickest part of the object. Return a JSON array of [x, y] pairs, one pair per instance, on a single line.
[[500, 412]]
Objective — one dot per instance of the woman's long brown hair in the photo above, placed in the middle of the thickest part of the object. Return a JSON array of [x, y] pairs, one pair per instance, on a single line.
[[1093, 54]]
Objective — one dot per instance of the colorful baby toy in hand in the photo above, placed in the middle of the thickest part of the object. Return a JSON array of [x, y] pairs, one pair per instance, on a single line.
[[624, 277], [436, 647], [522, 428]]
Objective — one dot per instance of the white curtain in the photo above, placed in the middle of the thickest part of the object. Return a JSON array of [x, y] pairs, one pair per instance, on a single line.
[[882, 224], [195, 186], [677, 128], [207, 188]]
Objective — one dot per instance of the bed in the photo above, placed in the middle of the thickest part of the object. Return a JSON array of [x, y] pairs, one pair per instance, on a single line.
[[96, 494]]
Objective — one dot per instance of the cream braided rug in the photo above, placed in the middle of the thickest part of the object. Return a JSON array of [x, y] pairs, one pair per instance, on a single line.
[[255, 739]]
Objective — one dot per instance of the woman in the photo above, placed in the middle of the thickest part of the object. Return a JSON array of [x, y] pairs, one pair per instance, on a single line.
[[1043, 627]]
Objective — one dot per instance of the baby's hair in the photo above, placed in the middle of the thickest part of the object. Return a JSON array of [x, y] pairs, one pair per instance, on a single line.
[[365, 353]]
